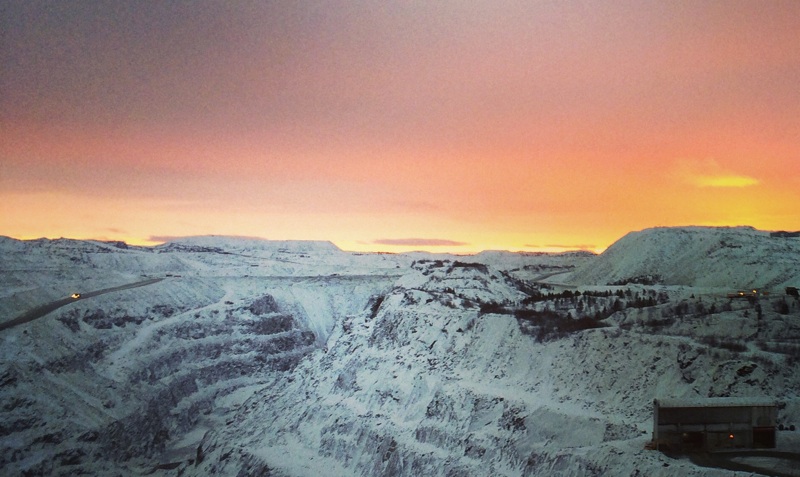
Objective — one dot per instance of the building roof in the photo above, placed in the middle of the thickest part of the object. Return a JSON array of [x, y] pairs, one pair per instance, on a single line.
[[716, 402]]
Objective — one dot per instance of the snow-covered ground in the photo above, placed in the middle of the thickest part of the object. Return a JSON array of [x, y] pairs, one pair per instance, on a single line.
[[728, 257], [255, 357]]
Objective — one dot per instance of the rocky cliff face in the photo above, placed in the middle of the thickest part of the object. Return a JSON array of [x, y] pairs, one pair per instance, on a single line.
[[133, 379], [267, 359], [428, 384]]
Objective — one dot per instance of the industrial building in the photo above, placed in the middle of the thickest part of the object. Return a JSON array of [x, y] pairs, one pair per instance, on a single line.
[[710, 424]]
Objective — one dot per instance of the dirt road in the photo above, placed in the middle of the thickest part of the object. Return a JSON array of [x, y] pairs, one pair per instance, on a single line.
[[41, 311]]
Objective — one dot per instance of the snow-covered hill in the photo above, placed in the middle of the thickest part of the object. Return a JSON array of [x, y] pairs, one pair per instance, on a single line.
[[254, 357], [724, 257]]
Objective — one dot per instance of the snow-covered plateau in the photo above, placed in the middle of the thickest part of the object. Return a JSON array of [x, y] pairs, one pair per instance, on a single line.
[[256, 357]]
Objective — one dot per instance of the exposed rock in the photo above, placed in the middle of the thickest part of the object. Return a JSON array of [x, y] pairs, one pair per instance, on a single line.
[[262, 306]]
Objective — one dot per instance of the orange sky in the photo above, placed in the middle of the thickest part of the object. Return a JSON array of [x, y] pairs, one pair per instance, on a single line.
[[455, 126]]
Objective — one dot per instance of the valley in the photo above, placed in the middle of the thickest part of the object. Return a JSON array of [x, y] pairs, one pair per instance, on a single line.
[[253, 357]]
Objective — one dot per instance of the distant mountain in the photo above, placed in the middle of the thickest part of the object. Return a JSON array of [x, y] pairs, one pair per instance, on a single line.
[[233, 243], [725, 257]]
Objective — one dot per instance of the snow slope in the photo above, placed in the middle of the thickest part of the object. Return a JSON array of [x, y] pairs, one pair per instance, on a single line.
[[255, 357], [726, 257], [428, 385]]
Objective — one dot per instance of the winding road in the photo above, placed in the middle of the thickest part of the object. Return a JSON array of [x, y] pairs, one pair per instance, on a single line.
[[770, 462], [40, 311]]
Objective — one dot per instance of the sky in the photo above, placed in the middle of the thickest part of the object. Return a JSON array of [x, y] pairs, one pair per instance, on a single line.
[[453, 126]]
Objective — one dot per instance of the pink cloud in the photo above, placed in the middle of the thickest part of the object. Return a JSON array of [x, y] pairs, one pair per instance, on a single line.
[[419, 242]]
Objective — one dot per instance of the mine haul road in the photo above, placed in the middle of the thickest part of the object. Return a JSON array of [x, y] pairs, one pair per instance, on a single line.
[[40, 311]]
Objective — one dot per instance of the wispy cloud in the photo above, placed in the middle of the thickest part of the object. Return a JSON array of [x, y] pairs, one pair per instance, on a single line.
[[726, 181], [170, 238], [419, 242], [564, 246], [164, 238], [709, 173]]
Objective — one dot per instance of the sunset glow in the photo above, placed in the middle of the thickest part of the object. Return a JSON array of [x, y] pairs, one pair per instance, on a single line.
[[727, 181], [394, 126]]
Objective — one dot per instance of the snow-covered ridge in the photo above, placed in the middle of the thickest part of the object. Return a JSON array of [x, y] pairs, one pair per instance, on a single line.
[[248, 244], [724, 257]]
